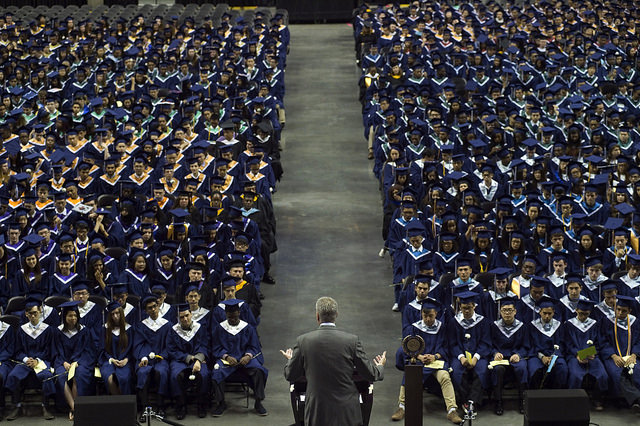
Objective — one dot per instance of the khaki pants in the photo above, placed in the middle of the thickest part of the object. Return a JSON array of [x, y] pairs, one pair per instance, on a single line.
[[448, 393]]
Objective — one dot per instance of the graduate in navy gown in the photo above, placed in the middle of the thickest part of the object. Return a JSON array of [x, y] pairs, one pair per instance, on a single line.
[[620, 350], [411, 312], [61, 281], [237, 349], [7, 348], [116, 359], [508, 342], [581, 332], [73, 345], [469, 349], [35, 354], [150, 351], [433, 332], [218, 314], [527, 307], [90, 314], [137, 276], [497, 292], [405, 261], [199, 313], [546, 342], [188, 349]]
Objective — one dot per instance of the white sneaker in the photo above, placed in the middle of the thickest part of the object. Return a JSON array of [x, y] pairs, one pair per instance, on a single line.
[[383, 250], [395, 308]]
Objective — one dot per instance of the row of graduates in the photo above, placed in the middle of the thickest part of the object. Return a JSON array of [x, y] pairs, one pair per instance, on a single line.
[[50, 259], [468, 354], [414, 236], [188, 350]]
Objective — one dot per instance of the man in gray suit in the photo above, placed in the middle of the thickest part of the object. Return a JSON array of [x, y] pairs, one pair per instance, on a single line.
[[327, 357]]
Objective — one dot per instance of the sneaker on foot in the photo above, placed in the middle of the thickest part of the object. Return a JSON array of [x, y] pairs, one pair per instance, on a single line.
[[398, 415], [395, 308]]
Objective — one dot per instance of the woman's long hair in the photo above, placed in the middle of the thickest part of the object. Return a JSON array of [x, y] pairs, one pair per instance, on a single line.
[[112, 325]]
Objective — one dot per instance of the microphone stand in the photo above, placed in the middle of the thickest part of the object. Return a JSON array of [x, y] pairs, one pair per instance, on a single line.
[[148, 413]]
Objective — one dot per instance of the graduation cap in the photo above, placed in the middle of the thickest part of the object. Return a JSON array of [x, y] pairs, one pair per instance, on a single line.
[[585, 304], [634, 259], [574, 278], [546, 302], [118, 288], [500, 273], [32, 300], [625, 301], [112, 306], [231, 305], [466, 296], [624, 208], [429, 304], [609, 285], [507, 300], [68, 306], [538, 282]]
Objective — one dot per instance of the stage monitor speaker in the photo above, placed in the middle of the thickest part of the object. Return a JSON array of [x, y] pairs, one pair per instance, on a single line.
[[107, 410], [556, 407]]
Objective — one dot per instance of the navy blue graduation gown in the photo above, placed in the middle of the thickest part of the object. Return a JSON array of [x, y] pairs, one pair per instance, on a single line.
[[151, 336], [182, 346], [477, 344], [123, 374], [510, 340], [77, 347], [609, 347], [576, 336], [235, 341], [60, 285], [7, 348], [435, 343], [218, 314], [33, 343], [542, 342], [137, 284]]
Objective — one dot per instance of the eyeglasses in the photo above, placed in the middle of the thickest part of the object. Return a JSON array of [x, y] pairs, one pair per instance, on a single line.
[[507, 310]]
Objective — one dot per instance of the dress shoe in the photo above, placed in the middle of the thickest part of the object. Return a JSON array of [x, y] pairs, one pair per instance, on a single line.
[[260, 408], [498, 409], [46, 414], [142, 418], [398, 415], [14, 413], [202, 411], [598, 406], [521, 405], [268, 279], [219, 410], [161, 412], [636, 407], [454, 418]]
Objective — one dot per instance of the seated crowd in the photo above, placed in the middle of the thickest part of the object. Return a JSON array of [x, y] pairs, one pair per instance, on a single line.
[[506, 143], [138, 164]]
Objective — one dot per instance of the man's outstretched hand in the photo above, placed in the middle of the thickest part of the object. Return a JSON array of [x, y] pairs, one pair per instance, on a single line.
[[287, 354], [380, 360]]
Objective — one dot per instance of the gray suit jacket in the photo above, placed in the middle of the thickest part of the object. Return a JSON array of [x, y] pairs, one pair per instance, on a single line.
[[326, 358]]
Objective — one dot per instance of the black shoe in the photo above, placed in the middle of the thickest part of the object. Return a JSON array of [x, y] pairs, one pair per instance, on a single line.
[[217, 412], [202, 411], [260, 408], [521, 405], [268, 279], [13, 414], [261, 296], [143, 417], [161, 412], [498, 409], [46, 414], [181, 412], [636, 407]]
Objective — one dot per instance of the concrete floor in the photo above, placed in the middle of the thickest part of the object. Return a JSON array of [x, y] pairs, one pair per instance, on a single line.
[[329, 221]]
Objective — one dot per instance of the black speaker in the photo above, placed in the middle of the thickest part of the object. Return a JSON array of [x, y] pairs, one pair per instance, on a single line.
[[556, 407], [105, 410]]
